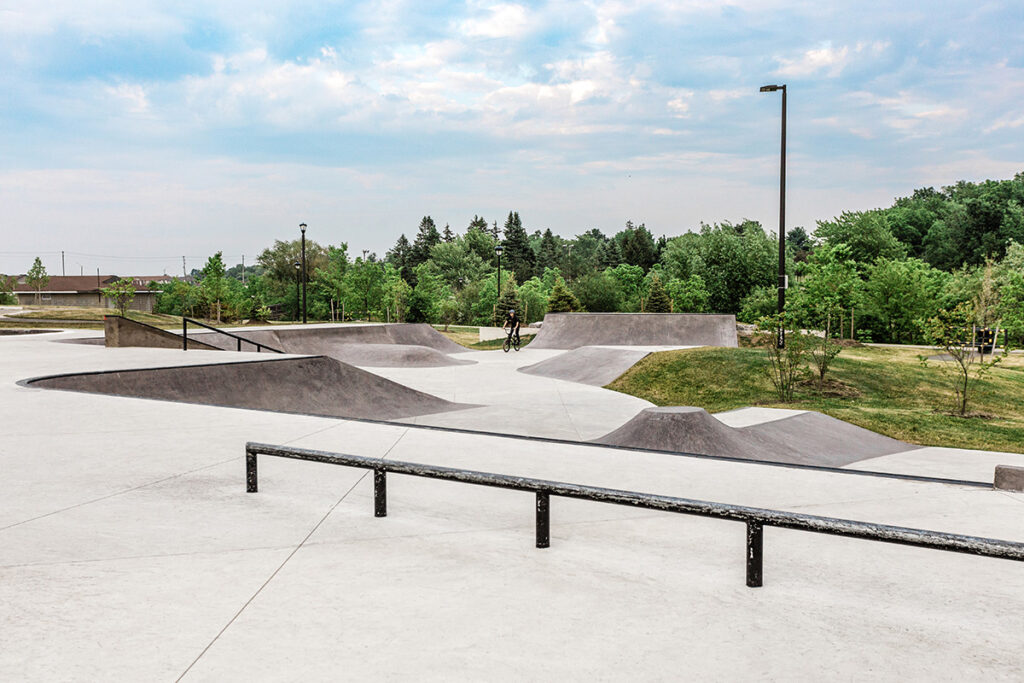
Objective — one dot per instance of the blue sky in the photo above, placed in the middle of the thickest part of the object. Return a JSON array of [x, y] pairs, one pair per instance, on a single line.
[[135, 133]]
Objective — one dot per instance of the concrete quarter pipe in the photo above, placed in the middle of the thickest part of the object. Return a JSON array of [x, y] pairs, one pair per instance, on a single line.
[[573, 330]]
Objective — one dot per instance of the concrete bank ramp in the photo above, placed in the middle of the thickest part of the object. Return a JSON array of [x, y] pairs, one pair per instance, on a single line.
[[808, 438], [573, 330], [594, 365], [310, 386], [386, 345]]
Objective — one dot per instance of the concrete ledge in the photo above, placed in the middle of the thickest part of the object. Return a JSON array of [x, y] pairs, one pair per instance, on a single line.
[[1009, 478], [121, 332]]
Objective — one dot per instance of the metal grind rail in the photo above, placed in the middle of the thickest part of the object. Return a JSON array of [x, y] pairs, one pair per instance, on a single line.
[[755, 518], [184, 336]]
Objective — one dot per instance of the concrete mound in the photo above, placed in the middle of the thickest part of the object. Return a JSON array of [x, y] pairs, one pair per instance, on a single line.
[[808, 438], [573, 330], [393, 356], [310, 386], [594, 365]]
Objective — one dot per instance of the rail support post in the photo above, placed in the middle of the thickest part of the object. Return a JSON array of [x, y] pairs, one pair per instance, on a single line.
[[251, 483], [380, 493], [543, 520], [755, 548], [184, 335]]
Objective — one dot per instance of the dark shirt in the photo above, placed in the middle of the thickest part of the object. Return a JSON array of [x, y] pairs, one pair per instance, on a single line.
[[512, 321]]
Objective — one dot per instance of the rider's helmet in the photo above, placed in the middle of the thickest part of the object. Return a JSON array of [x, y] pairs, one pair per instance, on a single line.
[[511, 311]]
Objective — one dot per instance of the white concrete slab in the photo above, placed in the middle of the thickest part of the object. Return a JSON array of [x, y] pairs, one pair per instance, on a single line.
[[129, 550]]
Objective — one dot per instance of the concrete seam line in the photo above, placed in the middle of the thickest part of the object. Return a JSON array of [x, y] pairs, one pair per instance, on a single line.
[[116, 493], [271, 577], [567, 413]]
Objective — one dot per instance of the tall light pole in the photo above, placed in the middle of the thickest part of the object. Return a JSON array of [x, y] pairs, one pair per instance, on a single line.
[[298, 276], [782, 215], [497, 250], [302, 227]]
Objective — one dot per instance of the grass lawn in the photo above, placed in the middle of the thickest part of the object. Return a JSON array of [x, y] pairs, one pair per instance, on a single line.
[[94, 314], [883, 389]]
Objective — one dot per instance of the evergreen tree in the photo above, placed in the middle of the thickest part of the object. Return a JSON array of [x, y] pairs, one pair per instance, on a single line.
[[398, 255], [426, 237], [520, 257], [637, 245], [509, 301], [478, 223], [562, 300], [547, 256], [658, 300], [447, 235], [609, 255]]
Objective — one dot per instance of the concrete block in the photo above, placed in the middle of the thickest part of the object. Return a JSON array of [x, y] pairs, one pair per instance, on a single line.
[[1009, 478]]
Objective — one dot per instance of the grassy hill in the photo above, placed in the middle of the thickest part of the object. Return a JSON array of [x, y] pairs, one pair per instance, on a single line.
[[881, 388]]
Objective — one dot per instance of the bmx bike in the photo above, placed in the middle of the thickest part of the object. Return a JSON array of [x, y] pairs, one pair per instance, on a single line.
[[511, 342]]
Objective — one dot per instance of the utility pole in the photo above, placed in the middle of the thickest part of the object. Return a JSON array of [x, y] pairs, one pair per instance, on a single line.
[[243, 269], [62, 262], [183, 273]]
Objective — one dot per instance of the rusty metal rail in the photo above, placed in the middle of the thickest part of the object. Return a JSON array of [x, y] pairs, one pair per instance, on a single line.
[[754, 518]]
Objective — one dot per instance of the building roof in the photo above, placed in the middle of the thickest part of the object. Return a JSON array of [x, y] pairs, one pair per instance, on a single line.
[[68, 283]]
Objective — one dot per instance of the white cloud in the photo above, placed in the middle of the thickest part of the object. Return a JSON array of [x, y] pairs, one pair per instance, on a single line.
[[827, 58], [501, 21]]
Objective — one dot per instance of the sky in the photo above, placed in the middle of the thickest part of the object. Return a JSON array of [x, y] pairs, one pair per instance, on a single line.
[[135, 133]]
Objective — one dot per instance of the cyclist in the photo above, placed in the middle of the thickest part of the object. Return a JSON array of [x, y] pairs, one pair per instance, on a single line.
[[512, 323]]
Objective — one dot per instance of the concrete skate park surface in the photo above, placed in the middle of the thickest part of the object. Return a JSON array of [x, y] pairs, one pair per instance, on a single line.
[[132, 552], [573, 330], [594, 365]]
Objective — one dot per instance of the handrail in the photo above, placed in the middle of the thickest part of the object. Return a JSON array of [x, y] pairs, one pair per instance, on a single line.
[[755, 518], [184, 336]]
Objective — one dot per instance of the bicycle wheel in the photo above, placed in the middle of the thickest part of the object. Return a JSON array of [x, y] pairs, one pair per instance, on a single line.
[[515, 344], [505, 345]]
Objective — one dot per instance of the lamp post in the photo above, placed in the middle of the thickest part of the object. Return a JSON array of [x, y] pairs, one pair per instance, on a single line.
[[782, 215], [302, 227], [497, 250], [298, 305]]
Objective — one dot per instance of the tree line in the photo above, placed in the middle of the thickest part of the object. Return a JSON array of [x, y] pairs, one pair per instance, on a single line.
[[874, 275]]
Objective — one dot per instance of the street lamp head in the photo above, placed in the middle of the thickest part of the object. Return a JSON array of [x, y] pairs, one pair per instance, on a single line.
[[498, 249], [770, 88], [302, 227], [297, 265]]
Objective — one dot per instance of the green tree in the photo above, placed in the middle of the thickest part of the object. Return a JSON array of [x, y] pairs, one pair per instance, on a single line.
[[362, 285], [509, 301], [37, 278], [760, 302], [457, 263], [689, 295], [212, 287], [534, 297], [398, 255], [866, 233], [630, 281], [518, 256], [785, 366], [636, 244], [953, 331], [329, 281], [1009, 277], [900, 295], [562, 300], [597, 292], [548, 255], [426, 237], [7, 285], [122, 293], [830, 288], [658, 300], [396, 294]]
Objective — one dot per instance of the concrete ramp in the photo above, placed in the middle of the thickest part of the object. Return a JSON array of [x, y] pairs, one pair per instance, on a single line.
[[573, 330], [594, 365], [310, 386], [393, 356], [327, 339], [808, 438]]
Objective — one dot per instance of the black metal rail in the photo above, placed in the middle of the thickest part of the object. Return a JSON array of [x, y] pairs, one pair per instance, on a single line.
[[755, 518], [184, 336]]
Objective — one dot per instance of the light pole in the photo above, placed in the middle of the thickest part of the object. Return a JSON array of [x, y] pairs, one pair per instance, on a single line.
[[497, 250], [782, 216], [302, 227], [298, 305]]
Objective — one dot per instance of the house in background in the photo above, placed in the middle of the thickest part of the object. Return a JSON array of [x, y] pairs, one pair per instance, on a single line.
[[86, 290]]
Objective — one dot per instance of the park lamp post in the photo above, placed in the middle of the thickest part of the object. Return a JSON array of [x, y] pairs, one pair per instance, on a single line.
[[782, 216], [497, 250], [298, 275], [302, 227]]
